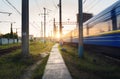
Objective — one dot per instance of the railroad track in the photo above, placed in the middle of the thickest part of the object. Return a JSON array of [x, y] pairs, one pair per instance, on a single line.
[[111, 53], [8, 50], [107, 51]]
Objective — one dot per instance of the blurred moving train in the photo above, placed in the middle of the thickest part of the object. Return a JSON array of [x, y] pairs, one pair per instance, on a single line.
[[101, 30]]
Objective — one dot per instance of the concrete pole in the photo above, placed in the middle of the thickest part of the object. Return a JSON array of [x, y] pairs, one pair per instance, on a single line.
[[44, 24], [60, 17], [25, 27], [17, 35], [54, 28], [80, 23], [51, 35], [11, 29], [12, 34], [41, 30]]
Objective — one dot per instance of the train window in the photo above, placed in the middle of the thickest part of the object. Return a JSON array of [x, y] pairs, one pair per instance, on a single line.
[[100, 28], [106, 26], [85, 31], [93, 30], [109, 25], [75, 33], [118, 22]]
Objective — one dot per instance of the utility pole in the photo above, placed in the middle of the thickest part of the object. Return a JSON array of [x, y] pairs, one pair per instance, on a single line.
[[25, 27], [60, 18], [44, 14], [44, 24], [54, 29], [16, 33], [51, 35], [80, 23], [12, 27], [41, 30], [11, 30]]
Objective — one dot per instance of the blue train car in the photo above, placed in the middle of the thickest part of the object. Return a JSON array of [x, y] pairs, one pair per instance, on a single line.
[[104, 28]]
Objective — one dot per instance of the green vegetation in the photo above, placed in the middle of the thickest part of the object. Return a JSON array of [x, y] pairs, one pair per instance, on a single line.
[[91, 66], [9, 45], [38, 73], [40, 47], [10, 35], [13, 65]]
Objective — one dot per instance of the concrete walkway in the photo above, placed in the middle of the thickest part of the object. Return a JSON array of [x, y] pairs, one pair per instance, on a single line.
[[56, 68]]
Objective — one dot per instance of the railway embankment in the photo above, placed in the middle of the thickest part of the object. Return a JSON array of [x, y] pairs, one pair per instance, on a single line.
[[91, 66]]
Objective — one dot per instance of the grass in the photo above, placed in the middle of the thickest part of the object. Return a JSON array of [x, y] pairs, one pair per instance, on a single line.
[[9, 45], [38, 73], [40, 47], [13, 65], [90, 67]]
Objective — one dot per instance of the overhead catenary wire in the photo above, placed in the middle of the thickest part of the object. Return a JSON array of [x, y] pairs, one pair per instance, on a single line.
[[19, 12], [55, 5], [37, 5], [34, 26], [92, 5], [13, 6], [88, 5], [53, 13], [36, 2], [7, 4], [84, 1]]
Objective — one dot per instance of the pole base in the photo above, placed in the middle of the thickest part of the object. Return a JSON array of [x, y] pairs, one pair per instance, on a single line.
[[80, 51]]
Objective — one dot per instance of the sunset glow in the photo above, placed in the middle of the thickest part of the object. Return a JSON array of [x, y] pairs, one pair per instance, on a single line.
[[58, 35]]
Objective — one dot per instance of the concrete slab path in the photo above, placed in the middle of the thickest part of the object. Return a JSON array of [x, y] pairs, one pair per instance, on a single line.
[[56, 68]]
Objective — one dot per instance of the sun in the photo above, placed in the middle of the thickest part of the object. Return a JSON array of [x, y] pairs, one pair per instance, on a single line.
[[58, 35]]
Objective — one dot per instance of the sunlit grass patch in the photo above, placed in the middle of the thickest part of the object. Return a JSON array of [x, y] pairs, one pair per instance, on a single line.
[[13, 65], [90, 66], [39, 71], [40, 47]]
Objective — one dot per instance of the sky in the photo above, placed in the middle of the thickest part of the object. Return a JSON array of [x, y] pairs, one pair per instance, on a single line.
[[69, 11]]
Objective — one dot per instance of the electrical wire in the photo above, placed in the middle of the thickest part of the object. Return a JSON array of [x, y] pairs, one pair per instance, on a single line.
[[6, 4], [36, 2], [20, 13], [13, 6], [92, 5], [37, 25], [34, 26], [54, 4], [84, 1]]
